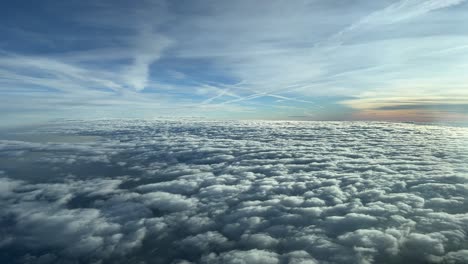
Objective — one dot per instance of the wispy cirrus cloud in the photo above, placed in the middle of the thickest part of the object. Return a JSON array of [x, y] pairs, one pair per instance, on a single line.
[[398, 12], [148, 50]]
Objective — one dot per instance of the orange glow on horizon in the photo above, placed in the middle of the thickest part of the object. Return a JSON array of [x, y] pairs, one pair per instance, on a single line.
[[409, 116]]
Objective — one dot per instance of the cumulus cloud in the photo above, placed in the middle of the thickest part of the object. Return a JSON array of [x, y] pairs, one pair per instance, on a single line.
[[236, 192]]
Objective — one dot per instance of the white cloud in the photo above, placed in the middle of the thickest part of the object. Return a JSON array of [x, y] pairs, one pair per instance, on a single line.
[[291, 192], [148, 50], [397, 12]]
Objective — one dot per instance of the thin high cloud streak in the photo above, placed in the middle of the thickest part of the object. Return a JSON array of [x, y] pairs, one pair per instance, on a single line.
[[235, 192], [400, 11], [158, 57]]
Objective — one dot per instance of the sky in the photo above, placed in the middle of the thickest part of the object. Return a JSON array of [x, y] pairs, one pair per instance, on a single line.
[[296, 60]]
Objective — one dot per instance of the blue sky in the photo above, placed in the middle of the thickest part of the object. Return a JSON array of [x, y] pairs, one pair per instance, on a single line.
[[308, 60]]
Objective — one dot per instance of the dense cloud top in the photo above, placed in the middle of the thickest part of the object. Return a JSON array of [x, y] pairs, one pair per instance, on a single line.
[[235, 192]]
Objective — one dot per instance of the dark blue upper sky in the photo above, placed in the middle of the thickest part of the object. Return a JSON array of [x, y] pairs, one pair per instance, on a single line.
[[313, 59]]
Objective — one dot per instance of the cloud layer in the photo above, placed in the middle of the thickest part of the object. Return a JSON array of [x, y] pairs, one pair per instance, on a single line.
[[235, 192]]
